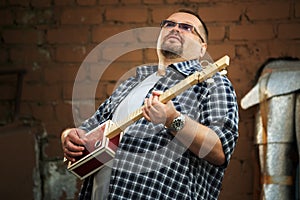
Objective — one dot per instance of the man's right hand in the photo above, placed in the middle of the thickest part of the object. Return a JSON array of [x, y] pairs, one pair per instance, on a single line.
[[73, 141]]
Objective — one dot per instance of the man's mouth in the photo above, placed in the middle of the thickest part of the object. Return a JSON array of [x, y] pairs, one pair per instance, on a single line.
[[174, 37]]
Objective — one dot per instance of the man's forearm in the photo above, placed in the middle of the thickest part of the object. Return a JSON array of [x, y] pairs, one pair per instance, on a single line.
[[202, 141]]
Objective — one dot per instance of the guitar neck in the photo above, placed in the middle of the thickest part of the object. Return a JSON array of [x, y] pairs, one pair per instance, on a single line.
[[197, 77]]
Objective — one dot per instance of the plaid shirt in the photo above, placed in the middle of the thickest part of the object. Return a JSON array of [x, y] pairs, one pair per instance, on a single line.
[[150, 162]]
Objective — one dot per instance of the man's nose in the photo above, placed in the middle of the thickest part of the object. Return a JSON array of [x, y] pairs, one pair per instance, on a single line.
[[176, 27]]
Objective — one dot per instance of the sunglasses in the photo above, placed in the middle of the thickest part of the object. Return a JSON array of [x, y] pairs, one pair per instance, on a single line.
[[186, 27]]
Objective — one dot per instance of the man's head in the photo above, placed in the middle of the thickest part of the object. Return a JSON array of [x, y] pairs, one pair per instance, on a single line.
[[183, 36]]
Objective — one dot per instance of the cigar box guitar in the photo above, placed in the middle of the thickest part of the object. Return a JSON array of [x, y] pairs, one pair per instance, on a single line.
[[103, 140]]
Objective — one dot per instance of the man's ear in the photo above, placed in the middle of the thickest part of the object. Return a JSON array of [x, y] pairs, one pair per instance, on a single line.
[[203, 49]]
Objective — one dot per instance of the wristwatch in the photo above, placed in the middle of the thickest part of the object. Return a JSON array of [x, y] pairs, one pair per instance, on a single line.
[[178, 123]]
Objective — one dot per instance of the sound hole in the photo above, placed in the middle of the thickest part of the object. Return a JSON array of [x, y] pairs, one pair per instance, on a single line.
[[98, 143]]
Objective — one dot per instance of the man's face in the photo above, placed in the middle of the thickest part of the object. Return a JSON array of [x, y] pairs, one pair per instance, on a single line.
[[180, 37]]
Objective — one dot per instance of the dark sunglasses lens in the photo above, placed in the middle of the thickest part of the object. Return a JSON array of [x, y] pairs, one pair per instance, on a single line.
[[186, 27], [170, 24]]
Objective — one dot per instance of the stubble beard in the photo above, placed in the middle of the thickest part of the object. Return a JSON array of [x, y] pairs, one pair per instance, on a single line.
[[170, 50]]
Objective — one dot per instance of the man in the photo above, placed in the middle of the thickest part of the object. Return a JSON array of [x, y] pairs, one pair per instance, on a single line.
[[178, 150]]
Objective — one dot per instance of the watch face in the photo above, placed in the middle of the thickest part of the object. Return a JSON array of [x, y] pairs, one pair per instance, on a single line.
[[178, 123]]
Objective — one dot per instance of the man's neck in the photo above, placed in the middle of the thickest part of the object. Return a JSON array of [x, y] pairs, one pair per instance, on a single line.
[[165, 62]]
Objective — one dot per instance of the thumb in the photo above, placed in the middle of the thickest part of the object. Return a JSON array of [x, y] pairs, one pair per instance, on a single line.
[[81, 134]]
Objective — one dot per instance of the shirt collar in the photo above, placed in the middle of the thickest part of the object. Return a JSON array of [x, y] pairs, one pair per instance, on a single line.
[[188, 67]]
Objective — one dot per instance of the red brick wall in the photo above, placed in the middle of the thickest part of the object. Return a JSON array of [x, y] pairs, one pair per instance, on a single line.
[[50, 39]]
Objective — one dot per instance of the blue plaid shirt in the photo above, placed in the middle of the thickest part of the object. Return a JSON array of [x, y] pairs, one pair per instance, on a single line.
[[150, 162]]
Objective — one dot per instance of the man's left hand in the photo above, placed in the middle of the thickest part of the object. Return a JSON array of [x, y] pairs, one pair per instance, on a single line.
[[158, 112]]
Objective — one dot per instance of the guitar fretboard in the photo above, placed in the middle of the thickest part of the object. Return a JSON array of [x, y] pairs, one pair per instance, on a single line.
[[197, 77]]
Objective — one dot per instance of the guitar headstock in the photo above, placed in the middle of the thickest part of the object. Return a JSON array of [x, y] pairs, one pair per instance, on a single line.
[[209, 69], [223, 62]]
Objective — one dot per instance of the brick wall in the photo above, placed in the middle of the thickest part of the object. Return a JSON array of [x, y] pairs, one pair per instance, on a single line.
[[51, 38]]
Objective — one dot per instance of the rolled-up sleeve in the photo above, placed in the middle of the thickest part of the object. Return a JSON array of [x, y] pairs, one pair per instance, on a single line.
[[220, 113]]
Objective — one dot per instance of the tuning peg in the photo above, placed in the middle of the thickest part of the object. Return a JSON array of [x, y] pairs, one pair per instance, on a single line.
[[223, 72], [210, 80]]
